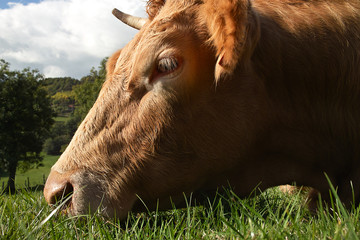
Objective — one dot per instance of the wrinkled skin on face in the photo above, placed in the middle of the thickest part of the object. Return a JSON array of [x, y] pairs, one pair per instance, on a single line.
[[188, 106]]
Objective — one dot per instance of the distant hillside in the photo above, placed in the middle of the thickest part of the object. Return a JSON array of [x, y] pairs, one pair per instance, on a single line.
[[64, 84], [60, 90]]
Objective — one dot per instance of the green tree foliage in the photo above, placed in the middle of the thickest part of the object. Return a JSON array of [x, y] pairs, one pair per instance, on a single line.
[[87, 92], [25, 119], [63, 103], [56, 145], [60, 136], [83, 97], [64, 84], [60, 90]]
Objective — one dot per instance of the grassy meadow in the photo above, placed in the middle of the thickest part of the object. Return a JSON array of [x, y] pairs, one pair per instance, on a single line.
[[36, 176], [270, 215], [267, 215], [33, 177]]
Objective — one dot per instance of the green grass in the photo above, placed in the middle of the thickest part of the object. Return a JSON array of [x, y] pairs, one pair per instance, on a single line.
[[35, 176], [61, 118], [272, 215]]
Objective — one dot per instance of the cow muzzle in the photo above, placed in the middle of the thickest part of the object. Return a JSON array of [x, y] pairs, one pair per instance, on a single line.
[[78, 193], [58, 188]]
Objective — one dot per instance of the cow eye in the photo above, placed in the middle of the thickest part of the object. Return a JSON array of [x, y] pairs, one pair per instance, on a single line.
[[167, 65]]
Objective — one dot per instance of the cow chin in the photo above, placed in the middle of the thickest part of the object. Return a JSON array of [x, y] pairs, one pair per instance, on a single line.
[[81, 193]]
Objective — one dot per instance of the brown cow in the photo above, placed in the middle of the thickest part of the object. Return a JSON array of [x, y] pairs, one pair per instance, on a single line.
[[211, 93]]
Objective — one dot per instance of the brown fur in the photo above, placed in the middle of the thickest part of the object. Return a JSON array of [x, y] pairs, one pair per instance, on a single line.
[[153, 7], [227, 23], [285, 107]]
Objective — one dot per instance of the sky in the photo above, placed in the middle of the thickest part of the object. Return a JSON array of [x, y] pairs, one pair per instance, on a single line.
[[63, 38], [5, 4]]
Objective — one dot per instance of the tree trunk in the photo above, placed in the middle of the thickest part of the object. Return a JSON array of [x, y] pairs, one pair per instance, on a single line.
[[10, 188]]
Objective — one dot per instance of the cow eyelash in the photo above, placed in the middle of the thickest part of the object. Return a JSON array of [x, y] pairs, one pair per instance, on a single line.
[[167, 65]]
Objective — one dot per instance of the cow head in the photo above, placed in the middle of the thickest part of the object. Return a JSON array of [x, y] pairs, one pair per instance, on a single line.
[[169, 119]]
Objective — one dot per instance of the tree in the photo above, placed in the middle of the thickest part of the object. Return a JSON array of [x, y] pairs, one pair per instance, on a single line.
[[57, 144], [25, 119], [61, 84], [84, 94], [63, 103], [60, 90], [87, 92], [60, 136]]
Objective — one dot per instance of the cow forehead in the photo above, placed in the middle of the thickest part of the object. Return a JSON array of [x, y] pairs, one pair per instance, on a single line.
[[176, 12], [168, 27], [155, 6]]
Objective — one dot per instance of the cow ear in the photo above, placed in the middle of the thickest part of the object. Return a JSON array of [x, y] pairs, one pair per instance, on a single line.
[[111, 64], [228, 23]]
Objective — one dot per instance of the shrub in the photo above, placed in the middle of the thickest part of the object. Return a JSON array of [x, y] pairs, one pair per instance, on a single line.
[[54, 146]]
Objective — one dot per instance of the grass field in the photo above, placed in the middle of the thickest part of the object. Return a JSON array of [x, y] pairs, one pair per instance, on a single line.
[[271, 215], [35, 176], [62, 118]]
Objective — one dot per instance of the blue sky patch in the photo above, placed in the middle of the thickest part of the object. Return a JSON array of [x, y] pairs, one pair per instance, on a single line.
[[4, 3]]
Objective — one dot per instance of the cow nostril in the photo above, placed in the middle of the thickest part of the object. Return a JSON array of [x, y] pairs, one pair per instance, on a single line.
[[62, 194], [59, 189]]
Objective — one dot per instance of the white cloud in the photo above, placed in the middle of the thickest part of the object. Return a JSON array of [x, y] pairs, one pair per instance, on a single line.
[[64, 37], [54, 71]]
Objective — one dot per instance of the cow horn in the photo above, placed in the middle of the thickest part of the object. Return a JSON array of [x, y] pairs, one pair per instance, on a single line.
[[135, 22]]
